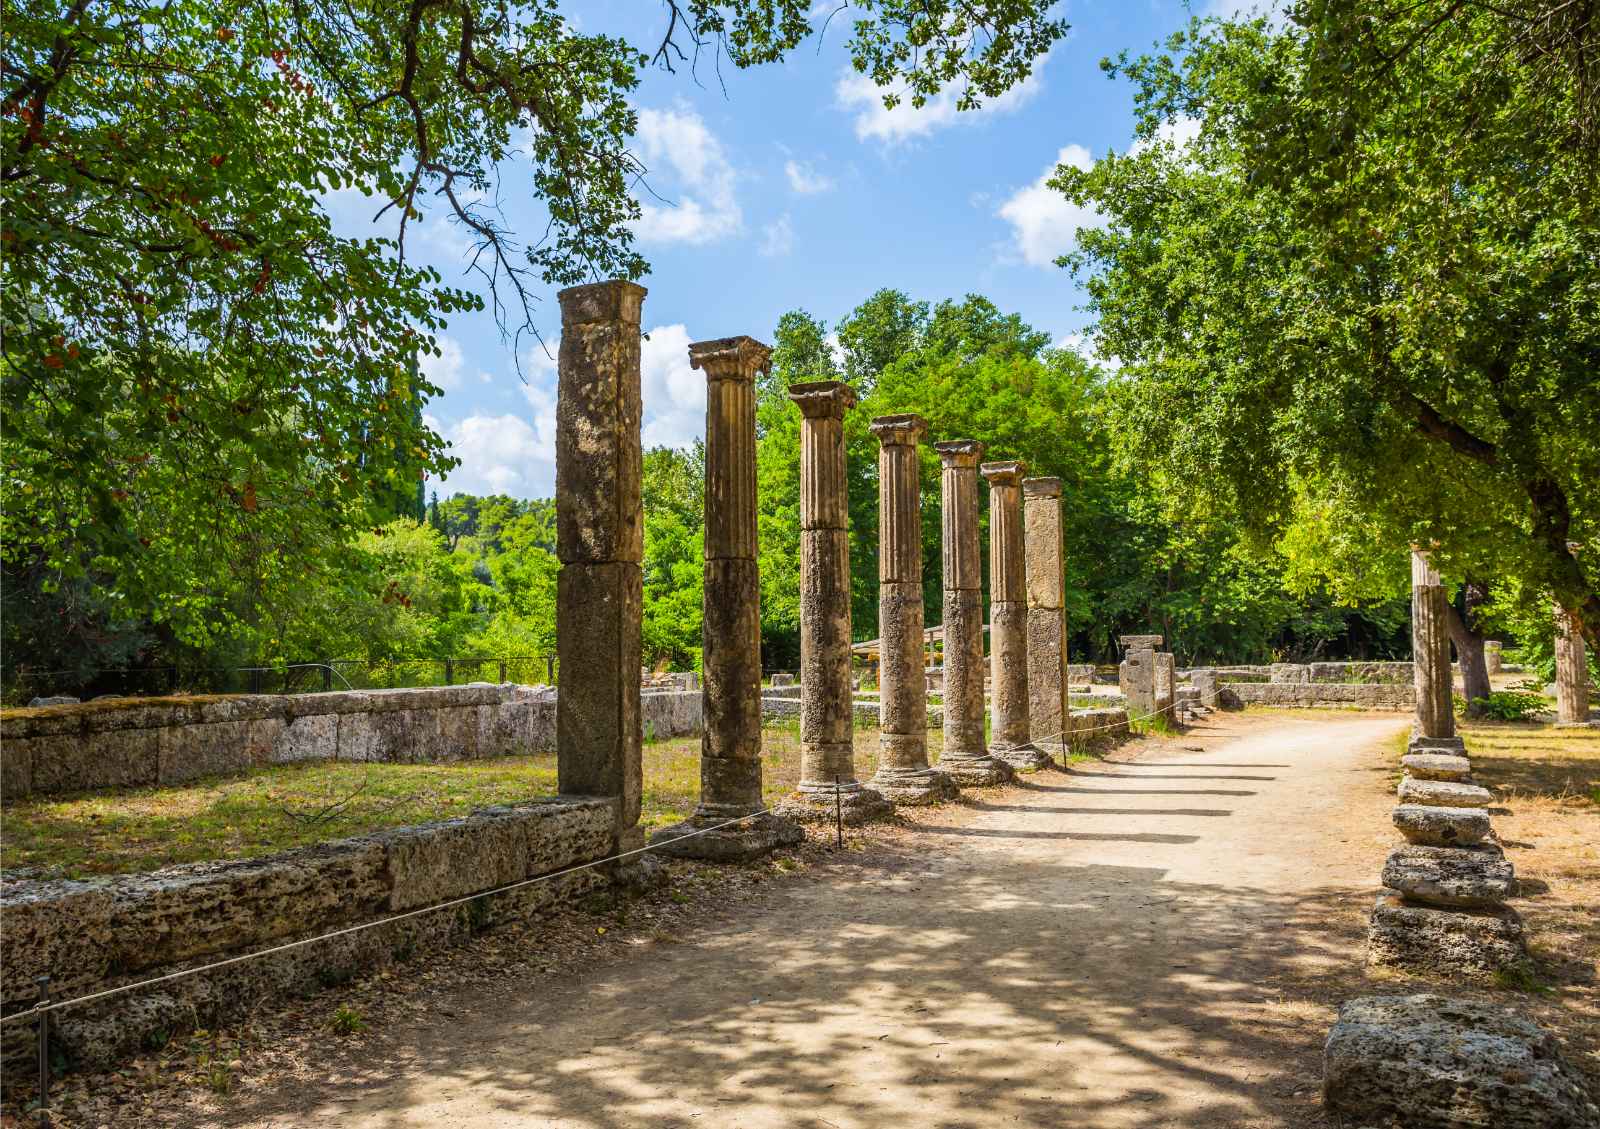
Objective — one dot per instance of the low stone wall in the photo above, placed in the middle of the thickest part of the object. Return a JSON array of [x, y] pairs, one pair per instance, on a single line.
[[1089, 726], [1372, 673], [132, 742], [92, 935], [1346, 695]]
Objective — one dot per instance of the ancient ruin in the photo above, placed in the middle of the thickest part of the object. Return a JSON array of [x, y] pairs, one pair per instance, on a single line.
[[1008, 621], [1047, 614], [730, 746], [600, 542], [966, 754], [1430, 652], [903, 775], [827, 728]]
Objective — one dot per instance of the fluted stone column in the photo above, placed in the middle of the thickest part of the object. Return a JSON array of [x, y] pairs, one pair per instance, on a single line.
[[730, 743], [600, 542], [903, 772], [1435, 726], [1008, 621], [827, 729], [1047, 615], [966, 754]]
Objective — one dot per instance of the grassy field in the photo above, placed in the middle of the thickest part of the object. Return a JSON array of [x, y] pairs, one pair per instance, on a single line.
[[295, 805]]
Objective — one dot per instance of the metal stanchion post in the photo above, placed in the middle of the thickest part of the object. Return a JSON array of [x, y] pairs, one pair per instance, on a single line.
[[44, 1050]]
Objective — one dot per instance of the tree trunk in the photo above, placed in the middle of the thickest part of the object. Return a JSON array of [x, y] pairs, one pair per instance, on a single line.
[[1467, 635]]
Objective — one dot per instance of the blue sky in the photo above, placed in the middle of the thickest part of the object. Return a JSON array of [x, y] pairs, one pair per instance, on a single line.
[[789, 186]]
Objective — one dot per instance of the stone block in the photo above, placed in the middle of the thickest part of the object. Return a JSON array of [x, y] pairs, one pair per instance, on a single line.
[[16, 768], [458, 733], [598, 728], [1432, 1062], [358, 737], [190, 752], [1437, 766], [116, 758], [1448, 943], [1446, 746], [58, 929], [311, 737], [1443, 793], [1290, 672], [1462, 877], [1442, 827]]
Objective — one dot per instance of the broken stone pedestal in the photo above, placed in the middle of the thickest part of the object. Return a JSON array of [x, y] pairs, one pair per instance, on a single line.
[[1451, 877], [1443, 794], [1442, 827], [1437, 766]]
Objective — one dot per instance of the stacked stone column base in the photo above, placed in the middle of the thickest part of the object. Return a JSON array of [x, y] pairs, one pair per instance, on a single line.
[[915, 786], [1021, 758], [1442, 910], [850, 801]]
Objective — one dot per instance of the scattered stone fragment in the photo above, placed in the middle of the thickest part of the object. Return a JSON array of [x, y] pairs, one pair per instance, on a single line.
[[1449, 943], [53, 700], [1442, 827], [1437, 766], [1444, 793], [1463, 877], [1428, 1062]]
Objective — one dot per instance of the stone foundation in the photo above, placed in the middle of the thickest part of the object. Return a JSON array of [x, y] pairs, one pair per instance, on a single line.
[[1347, 695], [136, 742]]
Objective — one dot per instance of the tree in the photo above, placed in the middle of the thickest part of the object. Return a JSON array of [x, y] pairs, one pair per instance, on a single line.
[[1369, 279]]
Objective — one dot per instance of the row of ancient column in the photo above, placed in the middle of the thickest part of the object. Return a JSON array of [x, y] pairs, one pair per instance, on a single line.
[[599, 600]]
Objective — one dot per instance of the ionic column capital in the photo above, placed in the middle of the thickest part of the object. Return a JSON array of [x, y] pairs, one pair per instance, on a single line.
[[731, 358], [960, 453], [900, 430], [823, 399], [1006, 473]]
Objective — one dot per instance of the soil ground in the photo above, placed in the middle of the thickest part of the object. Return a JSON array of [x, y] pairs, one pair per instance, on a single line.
[[1160, 938]]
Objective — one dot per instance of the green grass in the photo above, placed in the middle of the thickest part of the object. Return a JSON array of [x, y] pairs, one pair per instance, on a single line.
[[274, 809]]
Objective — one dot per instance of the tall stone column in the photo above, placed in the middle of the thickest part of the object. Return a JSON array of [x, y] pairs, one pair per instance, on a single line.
[[1008, 621], [1572, 668], [1047, 615], [730, 744], [903, 772], [966, 755], [600, 542], [827, 723], [1435, 726]]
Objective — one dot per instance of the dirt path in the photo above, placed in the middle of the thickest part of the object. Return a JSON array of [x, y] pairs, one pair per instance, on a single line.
[[1125, 945]]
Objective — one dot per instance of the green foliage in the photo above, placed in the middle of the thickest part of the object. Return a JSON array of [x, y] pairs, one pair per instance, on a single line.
[[1510, 705], [346, 1020]]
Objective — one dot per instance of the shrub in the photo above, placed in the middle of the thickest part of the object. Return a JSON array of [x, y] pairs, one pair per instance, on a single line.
[[1510, 705]]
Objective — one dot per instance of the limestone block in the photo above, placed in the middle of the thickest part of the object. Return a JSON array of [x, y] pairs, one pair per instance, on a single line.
[[438, 861], [1464, 877], [1452, 746], [1444, 942], [1290, 672], [457, 735], [358, 737], [1431, 1062], [242, 707], [1444, 794], [189, 752], [115, 758], [782, 679], [598, 727], [1437, 766], [56, 929], [16, 768], [1140, 642], [1442, 827]]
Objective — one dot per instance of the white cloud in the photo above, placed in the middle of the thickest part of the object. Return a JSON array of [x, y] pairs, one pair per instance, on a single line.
[[1044, 223], [502, 455], [1083, 345], [858, 94], [1177, 132], [777, 238], [674, 394], [706, 208], [447, 368], [804, 179]]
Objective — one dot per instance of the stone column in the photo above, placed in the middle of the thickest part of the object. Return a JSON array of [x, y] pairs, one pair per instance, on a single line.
[[1047, 615], [730, 744], [827, 723], [1136, 675], [1008, 621], [600, 542], [1165, 689], [1492, 656], [1435, 726], [903, 773], [966, 755]]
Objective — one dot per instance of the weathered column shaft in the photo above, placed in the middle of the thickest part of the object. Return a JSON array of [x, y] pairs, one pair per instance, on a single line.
[[966, 755], [600, 542], [1136, 675], [1430, 650], [903, 773], [1572, 671], [1047, 614], [730, 744], [827, 723], [1008, 619]]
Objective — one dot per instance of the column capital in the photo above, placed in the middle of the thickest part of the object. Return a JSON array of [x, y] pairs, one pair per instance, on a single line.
[[616, 299], [1041, 487], [730, 358], [1005, 473], [901, 430], [959, 452], [823, 399]]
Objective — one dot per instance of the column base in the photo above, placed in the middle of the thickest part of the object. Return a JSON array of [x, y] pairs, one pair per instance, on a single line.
[[914, 786], [737, 842], [1449, 746], [817, 803], [1022, 758], [978, 770]]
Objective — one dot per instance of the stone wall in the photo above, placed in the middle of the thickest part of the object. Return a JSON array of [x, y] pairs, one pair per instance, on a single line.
[[92, 935], [1349, 695], [1378, 673], [131, 742]]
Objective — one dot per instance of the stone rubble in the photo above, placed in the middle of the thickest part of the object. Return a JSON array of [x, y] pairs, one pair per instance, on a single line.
[[1443, 794]]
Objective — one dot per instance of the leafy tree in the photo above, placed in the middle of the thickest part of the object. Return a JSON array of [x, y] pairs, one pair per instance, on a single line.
[[1368, 282], [673, 492]]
